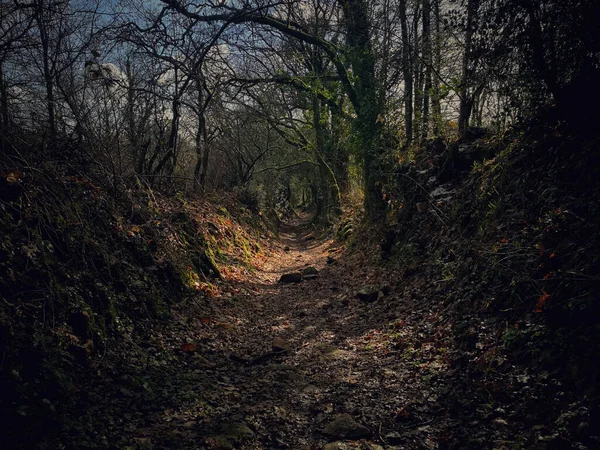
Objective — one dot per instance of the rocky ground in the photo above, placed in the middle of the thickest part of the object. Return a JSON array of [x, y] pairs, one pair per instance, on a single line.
[[329, 362]]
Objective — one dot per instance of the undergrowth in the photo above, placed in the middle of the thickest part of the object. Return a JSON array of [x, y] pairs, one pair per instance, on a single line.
[[511, 255], [82, 265]]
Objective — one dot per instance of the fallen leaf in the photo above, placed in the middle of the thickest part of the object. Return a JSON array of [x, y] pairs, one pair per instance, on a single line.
[[188, 348], [541, 302]]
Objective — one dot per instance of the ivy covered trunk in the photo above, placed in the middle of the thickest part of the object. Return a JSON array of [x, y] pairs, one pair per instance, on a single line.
[[368, 102]]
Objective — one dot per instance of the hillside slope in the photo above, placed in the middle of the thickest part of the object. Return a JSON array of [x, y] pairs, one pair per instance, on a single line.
[[84, 267], [496, 242]]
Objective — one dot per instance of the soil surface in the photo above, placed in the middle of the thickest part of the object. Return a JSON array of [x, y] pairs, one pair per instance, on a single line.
[[314, 364]]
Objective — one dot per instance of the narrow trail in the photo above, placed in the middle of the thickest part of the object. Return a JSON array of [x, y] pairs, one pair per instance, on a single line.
[[291, 396], [274, 365]]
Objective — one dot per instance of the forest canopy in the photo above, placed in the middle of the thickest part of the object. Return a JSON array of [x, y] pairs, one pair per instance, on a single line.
[[314, 98]]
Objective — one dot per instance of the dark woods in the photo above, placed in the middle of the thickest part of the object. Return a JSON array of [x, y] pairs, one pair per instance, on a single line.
[[311, 98], [150, 148]]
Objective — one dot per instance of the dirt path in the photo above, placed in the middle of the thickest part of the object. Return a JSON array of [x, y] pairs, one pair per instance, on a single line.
[[217, 377]]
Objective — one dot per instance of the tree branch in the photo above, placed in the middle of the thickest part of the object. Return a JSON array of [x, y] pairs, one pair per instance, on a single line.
[[288, 28]]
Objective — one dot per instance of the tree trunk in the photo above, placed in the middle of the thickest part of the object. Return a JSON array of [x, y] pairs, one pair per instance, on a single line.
[[544, 68], [173, 135], [339, 154], [407, 74], [418, 105], [428, 61], [386, 48], [130, 117], [205, 155], [50, 104], [466, 101], [419, 74], [358, 32], [171, 142], [47, 70], [329, 185], [199, 144], [436, 107], [4, 115]]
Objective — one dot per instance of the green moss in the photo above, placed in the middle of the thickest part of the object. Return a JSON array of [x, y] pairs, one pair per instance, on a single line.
[[243, 244]]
